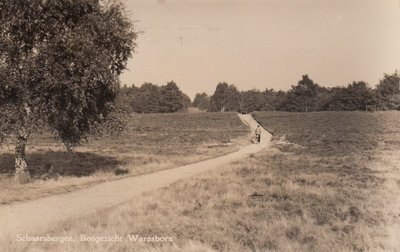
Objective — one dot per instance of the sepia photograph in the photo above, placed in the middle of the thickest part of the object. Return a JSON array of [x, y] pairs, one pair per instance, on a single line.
[[199, 125]]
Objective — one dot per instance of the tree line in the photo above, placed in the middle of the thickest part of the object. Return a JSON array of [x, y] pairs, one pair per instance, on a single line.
[[305, 96], [151, 98]]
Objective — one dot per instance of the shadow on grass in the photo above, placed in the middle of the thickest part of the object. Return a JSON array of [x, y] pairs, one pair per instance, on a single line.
[[75, 164]]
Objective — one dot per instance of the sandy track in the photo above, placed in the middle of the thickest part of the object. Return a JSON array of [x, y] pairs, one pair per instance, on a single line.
[[37, 216]]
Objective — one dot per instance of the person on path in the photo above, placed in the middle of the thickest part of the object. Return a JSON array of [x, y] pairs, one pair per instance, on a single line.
[[258, 133]]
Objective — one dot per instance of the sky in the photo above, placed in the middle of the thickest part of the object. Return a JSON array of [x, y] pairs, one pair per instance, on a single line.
[[262, 43]]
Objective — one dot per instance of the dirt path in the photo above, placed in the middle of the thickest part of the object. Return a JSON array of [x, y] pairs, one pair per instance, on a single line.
[[37, 216]]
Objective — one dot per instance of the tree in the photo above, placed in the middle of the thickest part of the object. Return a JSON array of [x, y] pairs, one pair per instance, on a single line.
[[201, 101], [305, 90], [147, 100], [356, 96], [232, 102], [187, 102], [217, 100], [62, 60], [388, 92], [225, 98], [171, 99], [303, 96], [251, 100], [127, 98], [272, 100], [151, 98]]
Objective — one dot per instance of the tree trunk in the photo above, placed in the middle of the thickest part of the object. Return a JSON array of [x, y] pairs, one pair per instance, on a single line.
[[22, 174]]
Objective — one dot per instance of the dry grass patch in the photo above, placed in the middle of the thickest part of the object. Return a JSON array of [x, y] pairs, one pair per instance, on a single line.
[[251, 205]]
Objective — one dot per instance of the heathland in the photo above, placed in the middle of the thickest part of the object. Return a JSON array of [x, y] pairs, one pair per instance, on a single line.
[[329, 183], [148, 143]]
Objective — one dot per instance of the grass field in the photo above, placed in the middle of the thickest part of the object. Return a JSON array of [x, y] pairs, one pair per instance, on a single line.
[[323, 186], [149, 143]]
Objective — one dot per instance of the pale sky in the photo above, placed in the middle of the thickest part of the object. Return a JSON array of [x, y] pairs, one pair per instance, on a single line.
[[263, 43]]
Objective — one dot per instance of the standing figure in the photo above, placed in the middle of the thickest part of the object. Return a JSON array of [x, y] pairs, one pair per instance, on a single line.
[[258, 133]]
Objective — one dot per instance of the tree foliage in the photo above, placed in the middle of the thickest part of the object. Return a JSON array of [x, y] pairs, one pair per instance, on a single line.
[[63, 59], [201, 101], [252, 100], [187, 102], [225, 98], [150, 98], [304, 96], [308, 96], [59, 64], [356, 96], [171, 99], [388, 92]]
